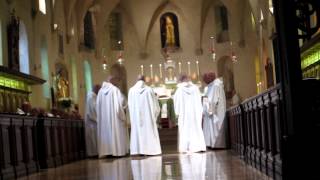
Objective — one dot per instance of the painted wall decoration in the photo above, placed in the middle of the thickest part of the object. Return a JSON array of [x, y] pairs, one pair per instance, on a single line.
[[169, 29]]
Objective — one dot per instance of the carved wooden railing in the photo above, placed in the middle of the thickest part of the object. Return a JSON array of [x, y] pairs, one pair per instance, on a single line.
[[255, 131], [28, 144]]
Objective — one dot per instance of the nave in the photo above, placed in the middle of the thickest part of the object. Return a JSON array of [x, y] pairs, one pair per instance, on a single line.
[[218, 164]]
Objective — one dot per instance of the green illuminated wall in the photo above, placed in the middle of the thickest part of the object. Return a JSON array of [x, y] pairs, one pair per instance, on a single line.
[[87, 76], [45, 67], [74, 79]]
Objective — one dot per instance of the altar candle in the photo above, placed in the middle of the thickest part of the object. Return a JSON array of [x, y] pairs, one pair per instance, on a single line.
[[179, 67], [189, 69], [160, 68], [198, 70], [151, 71], [141, 67]]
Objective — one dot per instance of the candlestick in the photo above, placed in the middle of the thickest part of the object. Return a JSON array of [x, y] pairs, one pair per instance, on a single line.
[[198, 69], [179, 67], [151, 71], [189, 70], [160, 69], [141, 67]]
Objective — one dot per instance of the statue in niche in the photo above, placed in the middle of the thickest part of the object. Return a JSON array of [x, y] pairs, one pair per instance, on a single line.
[[61, 82], [13, 42], [63, 87], [169, 31], [269, 73]]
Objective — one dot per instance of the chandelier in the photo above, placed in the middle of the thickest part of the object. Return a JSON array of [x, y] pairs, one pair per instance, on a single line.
[[120, 58]]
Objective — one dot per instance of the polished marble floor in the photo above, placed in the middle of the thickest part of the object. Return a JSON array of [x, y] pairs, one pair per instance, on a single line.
[[220, 165]]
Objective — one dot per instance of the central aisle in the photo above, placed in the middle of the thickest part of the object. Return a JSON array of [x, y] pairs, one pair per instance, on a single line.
[[221, 165]]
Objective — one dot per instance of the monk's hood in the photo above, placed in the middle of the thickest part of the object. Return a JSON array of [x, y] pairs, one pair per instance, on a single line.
[[140, 86], [106, 87], [187, 87], [218, 82]]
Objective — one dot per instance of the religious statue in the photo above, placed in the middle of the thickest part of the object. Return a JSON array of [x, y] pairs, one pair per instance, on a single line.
[[170, 41], [169, 31], [269, 72], [62, 87]]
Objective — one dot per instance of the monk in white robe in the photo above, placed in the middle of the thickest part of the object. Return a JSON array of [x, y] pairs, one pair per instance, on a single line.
[[90, 120], [111, 118], [188, 108], [144, 110], [214, 112]]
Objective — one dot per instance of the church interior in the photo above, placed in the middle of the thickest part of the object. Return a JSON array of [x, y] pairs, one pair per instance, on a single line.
[[266, 52]]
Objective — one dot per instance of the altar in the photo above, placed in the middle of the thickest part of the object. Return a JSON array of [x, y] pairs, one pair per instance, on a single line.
[[165, 84]]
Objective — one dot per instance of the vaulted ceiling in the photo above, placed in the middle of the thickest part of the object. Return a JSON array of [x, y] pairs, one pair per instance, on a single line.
[[143, 13]]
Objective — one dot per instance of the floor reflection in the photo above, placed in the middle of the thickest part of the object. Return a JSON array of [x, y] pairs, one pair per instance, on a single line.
[[220, 165], [145, 169]]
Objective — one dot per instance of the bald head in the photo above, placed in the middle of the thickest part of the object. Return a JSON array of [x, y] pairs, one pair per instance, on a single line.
[[96, 88], [141, 78], [183, 78], [209, 77]]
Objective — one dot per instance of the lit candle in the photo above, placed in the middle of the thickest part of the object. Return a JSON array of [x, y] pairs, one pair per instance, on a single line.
[[160, 68], [151, 71], [189, 69], [198, 69], [179, 67], [141, 67]]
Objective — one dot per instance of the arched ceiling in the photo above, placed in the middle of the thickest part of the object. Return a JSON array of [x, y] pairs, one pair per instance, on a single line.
[[144, 13]]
